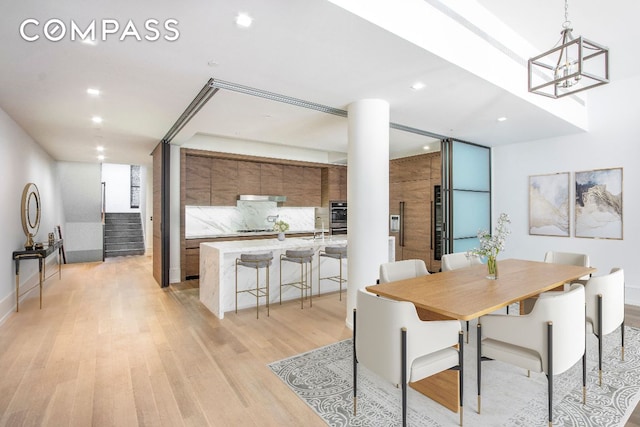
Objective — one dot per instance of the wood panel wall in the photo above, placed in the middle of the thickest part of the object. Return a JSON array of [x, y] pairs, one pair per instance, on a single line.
[[411, 180]]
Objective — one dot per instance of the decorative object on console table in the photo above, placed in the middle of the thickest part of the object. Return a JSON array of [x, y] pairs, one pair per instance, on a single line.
[[492, 244], [280, 227], [30, 213]]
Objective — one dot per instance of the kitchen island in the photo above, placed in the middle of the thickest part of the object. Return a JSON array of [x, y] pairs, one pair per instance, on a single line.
[[217, 270]]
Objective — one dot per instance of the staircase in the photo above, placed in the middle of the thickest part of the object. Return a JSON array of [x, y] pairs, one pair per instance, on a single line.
[[123, 234]]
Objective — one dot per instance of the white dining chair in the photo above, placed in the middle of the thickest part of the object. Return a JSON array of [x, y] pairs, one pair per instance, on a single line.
[[390, 340], [568, 258], [605, 308], [400, 270], [565, 258], [550, 339], [458, 260]]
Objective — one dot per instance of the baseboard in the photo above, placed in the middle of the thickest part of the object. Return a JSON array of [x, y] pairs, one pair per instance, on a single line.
[[632, 296]]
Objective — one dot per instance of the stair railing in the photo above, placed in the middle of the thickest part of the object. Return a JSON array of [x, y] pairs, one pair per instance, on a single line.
[[103, 217]]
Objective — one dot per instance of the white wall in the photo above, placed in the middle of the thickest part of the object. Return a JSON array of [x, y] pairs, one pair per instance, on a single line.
[[117, 179], [612, 141], [23, 161], [82, 202]]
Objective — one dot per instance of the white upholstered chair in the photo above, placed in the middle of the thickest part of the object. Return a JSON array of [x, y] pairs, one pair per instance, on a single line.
[[399, 270], [458, 260], [550, 339], [605, 308], [390, 340], [565, 258], [568, 258]]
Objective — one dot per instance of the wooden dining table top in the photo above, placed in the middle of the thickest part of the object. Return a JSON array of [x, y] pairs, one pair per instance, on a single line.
[[466, 293]]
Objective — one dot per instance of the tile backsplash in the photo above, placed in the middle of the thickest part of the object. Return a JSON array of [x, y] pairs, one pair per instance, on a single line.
[[207, 221]]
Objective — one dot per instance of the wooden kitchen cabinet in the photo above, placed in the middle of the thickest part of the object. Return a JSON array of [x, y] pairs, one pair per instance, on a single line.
[[198, 181], [293, 178], [334, 184], [248, 177], [271, 179], [411, 181], [312, 187], [224, 182]]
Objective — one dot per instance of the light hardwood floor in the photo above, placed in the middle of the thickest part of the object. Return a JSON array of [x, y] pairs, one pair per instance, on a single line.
[[110, 348]]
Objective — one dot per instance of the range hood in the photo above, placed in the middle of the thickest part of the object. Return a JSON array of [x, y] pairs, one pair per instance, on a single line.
[[260, 198]]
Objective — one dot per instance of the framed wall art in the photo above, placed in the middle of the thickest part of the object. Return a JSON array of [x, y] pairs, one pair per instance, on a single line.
[[598, 204], [549, 204]]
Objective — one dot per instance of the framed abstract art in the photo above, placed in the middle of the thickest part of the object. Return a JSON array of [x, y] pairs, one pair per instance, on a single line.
[[549, 204], [598, 204]]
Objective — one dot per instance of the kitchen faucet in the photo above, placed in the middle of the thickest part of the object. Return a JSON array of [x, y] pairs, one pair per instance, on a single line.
[[321, 230]]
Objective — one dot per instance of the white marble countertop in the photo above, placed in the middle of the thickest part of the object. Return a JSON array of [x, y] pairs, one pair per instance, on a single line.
[[258, 245], [252, 233]]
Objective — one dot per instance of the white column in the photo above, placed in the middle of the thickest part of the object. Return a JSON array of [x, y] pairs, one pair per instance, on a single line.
[[368, 195]]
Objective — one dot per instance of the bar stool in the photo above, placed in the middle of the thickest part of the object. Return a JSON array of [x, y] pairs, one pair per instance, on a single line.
[[335, 252], [256, 261], [304, 257]]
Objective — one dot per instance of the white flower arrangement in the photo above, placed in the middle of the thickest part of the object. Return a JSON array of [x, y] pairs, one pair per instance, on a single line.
[[280, 226], [492, 244]]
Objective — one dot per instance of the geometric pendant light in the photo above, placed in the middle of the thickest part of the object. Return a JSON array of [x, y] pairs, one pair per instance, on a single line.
[[573, 65]]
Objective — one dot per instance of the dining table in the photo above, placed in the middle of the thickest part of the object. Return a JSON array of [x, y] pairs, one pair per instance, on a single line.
[[466, 294]]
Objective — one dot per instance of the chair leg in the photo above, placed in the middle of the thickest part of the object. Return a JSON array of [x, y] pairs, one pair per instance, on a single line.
[[600, 337], [268, 287], [403, 366], [479, 363], [584, 375], [461, 374], [622, 338], [550, 370], [280, 281], [303, 275], [340, 261], [467, 332], [257, 293], [236, 286], [355, 367], [310, 284]]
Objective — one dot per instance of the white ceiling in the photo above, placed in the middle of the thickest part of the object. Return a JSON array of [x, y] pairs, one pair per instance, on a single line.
[[311, 50]]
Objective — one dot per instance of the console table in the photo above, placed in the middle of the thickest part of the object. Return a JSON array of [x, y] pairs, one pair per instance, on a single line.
[[41, 255]]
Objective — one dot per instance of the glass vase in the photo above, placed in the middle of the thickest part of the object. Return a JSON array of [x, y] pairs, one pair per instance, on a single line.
[[281, 236], [492, 268]]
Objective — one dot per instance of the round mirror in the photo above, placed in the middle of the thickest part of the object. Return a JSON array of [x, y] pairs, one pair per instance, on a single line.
[[30, 211]]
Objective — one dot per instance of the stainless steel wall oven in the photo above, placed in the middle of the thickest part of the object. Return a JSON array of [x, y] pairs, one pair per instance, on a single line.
[[338, 217]]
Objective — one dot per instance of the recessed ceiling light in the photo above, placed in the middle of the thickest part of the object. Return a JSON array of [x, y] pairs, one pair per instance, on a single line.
[[243, 20], [93, 92], [101, 157], [418, 86], [502, 119], [96, 119], [426, 147], [100, 148]]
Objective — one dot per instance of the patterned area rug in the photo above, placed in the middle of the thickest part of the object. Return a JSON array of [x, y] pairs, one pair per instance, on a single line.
[[323, 379]]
